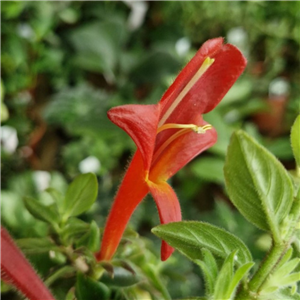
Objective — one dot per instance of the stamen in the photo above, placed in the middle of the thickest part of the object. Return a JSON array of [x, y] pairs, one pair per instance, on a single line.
[[205, 65], [185, 129], [175, 126]]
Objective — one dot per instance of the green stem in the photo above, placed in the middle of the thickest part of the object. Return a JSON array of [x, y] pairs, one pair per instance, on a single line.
[[266, 267], [273, 258]]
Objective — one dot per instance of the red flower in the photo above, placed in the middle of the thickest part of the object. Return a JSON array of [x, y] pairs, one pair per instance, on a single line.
[[168, 135], [16, 270]]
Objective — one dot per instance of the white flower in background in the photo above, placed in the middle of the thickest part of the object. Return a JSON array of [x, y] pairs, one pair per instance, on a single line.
[[137, 13], [9, 139], [25, 31], [41, 179], [239, 37], [182, 46], [89, 164], [279, 87]]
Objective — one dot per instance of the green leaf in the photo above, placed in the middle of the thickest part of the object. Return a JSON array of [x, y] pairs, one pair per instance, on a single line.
[[74, 228], [209, 268], [257, 183], [224, 277], [36, 245], [56, 196], [210, 261], [65, 271], [209, 168], [91, 239], [282, 294], [80, 195], [42, 212], [295, 140], [238, 276], [189, 237], [282, 275], [121, 278], [87, 288], [208, 277]]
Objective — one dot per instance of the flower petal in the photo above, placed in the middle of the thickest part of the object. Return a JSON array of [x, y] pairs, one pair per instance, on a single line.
[[180, 152], [168, 209], [208, 49], [16, 270], [131, 192], [140, 123], [209, 89]]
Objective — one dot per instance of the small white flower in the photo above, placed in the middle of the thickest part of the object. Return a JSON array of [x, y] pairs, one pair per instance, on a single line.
[[90, 164], [9, 139], [182, 46], [41, 180]]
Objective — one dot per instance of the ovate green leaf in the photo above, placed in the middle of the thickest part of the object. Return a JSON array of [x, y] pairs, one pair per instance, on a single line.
[[189, 237], [80, 195], [42, 212], [257, 183]]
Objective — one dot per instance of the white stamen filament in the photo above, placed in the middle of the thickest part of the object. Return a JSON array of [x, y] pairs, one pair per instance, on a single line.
[[206, 64], [185, 129]]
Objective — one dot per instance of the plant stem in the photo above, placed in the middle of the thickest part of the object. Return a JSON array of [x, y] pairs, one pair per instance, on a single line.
[[266, 267], [273, 258]]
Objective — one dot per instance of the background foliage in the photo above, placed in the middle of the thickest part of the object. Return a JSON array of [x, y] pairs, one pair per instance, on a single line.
[[64, 64]]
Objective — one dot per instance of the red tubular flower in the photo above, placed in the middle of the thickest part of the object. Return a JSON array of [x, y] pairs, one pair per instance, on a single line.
[[168, 135], [16, 270]]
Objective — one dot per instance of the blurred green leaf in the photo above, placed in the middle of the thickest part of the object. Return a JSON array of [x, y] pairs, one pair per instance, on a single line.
[[224, 131], [73, 229], [98, 46], [42, 212], [121, 278], [154, 66], [4, 110], [190, 236], [295, 140], [87, 288], [80, 195], [91, 239], [239, 91], [36, 245], [61, 272], [209, 168], [56, 196], [257, 183], [280, 147]]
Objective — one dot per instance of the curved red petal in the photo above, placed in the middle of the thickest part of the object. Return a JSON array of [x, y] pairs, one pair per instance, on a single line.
[[213, 85], [16, 270], [180, 152], [168, 209], [208, 49], [131, 192], [140, 123], [209, 90]]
